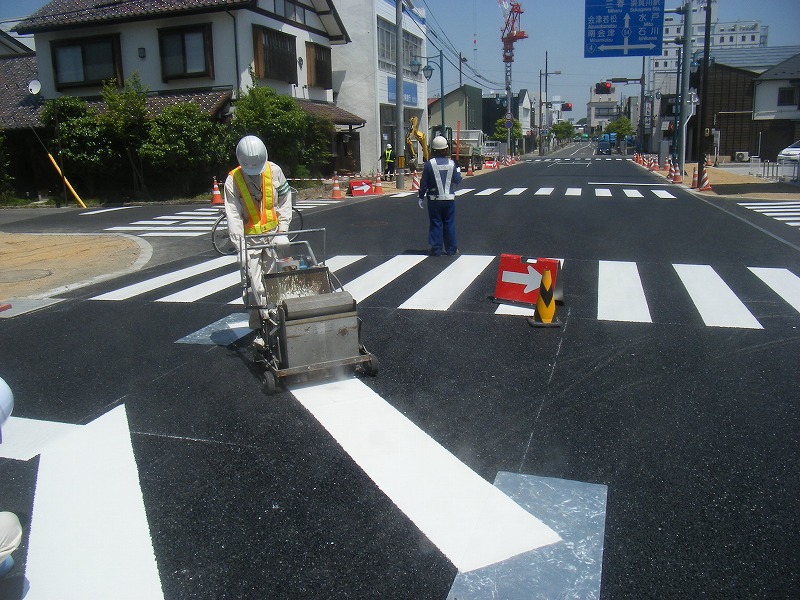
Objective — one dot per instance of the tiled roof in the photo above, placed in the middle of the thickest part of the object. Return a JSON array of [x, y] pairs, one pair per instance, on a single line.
[[60, 14], [755, 60], [338, 115], [788, 69], [18, 108]]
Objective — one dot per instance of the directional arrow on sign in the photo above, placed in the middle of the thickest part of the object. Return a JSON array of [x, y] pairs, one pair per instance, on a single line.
[[531, 280], [362, 188]]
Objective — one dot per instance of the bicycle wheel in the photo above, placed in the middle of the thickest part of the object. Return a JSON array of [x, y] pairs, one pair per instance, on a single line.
[[219, 236], [296, 224]]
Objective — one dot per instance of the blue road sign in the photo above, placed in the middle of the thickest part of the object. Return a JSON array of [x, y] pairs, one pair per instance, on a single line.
[[623, 28]]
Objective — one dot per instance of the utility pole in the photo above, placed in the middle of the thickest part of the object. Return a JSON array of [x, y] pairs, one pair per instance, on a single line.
[[704, 99], [686, 71], [399, 128]]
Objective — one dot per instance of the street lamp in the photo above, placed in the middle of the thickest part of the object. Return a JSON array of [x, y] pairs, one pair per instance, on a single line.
[[545, 73], [427, 71]]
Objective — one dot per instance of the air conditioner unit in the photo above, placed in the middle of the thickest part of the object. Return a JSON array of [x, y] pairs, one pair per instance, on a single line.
[[742, 156]]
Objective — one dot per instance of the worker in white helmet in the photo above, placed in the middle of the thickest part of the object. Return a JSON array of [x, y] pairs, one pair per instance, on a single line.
[[257, 200], [439, 178], [388, 158], [10, 529]]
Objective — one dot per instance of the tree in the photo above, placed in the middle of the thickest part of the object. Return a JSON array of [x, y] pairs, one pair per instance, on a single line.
[[6, 179], [583, 121], [563, 130], [621, 126], [184, 139]]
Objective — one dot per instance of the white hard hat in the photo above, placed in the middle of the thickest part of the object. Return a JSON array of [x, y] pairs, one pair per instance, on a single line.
[[6, 401], [388, 146], [439, 143], [251, 154]]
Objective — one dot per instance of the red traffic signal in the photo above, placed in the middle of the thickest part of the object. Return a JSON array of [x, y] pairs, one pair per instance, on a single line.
[[566, 106], [604, 87]]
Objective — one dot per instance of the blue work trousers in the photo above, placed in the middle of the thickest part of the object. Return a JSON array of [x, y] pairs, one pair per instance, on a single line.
[[442, 230]]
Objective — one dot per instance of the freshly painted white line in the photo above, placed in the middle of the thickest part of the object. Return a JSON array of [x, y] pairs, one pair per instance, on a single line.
[[602, 192], [447, 286], [515, 191], [513, 309], [488, 192], [632, 193], [370, 282], [156, 282], [573, 192], [105, 210], [782, 281], [663, 194], [769, 204], [620, 296], [715, 301], [154, 222], [171, 228], [202, 290], [545, 191], [638, 184], [174, 233], [463, 191], [25, 438], [89, 536], [468, 519], [792, 218], [403, 194]]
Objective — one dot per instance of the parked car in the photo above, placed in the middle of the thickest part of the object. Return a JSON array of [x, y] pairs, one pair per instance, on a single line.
[[790, 153], [604, 148]]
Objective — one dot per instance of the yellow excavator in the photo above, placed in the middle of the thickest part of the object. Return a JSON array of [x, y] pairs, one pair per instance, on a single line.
[[416, 134]]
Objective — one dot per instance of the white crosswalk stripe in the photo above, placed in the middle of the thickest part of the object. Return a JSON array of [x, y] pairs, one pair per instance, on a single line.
[[621, 295], [786, 212]]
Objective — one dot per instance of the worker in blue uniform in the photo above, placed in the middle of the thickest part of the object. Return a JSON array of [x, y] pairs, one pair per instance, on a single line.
[[439, 178]]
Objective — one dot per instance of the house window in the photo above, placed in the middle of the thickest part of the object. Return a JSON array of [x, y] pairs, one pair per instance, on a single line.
[[657, 65], [412, 48], [786, 96], [186, 52], [318, 65], [275, 55], [86, 62], [722, 39], [752, 38]]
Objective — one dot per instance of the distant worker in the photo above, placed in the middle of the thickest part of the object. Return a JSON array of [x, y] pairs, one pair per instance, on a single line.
[[10, 529], [439, 177], [257, 201], [388, 158]]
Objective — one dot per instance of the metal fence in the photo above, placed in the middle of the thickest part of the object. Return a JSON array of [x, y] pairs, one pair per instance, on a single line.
[[787, 170]]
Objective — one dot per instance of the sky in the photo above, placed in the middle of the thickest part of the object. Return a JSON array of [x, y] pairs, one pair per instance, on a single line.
[[555, 27]]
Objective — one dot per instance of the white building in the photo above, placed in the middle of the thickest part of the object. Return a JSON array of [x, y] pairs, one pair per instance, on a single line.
[[602, 108], [364, 80], [662, 70]]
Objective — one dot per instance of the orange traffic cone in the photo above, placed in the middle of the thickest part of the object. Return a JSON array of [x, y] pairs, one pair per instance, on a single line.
[[694, 179], [677, 177], [414, 180], [469, 169], [704, 185], [545, 313], [671, 173], [216, 197], [378, 188], [337, 193]]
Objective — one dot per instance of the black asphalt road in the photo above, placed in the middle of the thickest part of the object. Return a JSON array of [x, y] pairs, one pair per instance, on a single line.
[[694, 429]]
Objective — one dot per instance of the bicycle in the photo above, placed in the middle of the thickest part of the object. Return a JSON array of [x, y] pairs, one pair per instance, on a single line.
[[222, 242]]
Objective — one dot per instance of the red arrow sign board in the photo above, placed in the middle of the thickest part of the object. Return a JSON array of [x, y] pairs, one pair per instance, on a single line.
[[519, 278], [361, 187]]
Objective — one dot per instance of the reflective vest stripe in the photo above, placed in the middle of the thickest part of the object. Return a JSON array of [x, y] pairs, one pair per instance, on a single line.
[[267, 219], [389, 156], [443, 186]]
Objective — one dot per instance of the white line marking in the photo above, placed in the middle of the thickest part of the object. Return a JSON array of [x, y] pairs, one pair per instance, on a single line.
[[467, 518], [105, 210], [89, 535], [447, 286], [782, 281], [545, 191], [573, 192], [513, 309], [602, 192], [663, 194], [170, 228], [156, 282], [403, 194], [769, 204], [515, 192], [25, 438], [174, 233], [154, 222], [620, 296], [463, 191], [370, 282], [202, 290], [488, 192], [632, 193], [714, 300]]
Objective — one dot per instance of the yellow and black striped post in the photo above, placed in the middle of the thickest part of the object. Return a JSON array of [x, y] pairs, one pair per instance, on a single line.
[[545, 313]]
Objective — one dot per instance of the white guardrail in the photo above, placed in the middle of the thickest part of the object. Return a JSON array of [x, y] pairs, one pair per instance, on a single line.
[[785, 170]]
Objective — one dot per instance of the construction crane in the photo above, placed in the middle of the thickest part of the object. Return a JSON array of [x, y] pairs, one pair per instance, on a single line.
[[511, 33]]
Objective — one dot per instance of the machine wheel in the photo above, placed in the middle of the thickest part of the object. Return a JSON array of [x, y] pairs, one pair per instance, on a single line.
[[371, 367], [270, 383]]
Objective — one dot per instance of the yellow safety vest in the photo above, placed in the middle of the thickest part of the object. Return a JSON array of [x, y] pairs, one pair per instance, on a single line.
[[266, 219]]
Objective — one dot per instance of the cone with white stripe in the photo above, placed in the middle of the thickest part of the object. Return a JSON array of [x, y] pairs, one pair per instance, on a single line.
[[671, 174], [545, 313], [694, 179], [704, 185], [337, 192], [414, 180], [216, 197], [378, 188]]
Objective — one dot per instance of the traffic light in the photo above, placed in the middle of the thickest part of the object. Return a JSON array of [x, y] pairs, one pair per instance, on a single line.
[[566, 106], [604, 87]]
